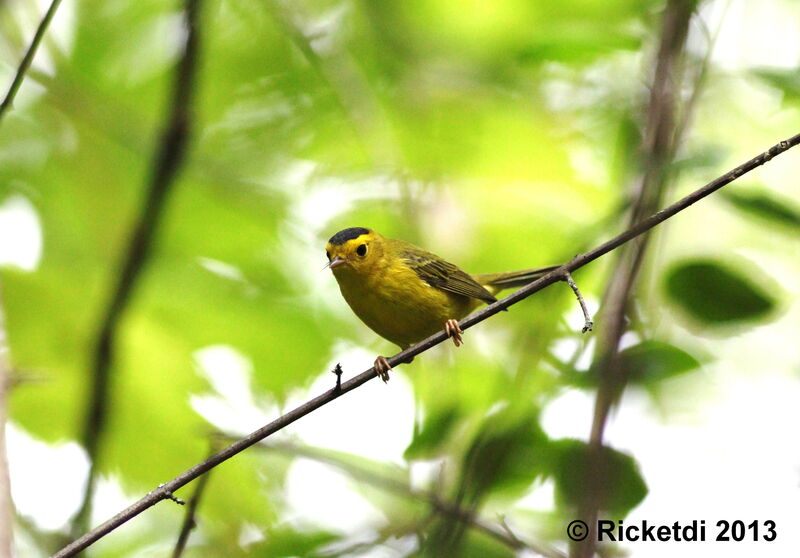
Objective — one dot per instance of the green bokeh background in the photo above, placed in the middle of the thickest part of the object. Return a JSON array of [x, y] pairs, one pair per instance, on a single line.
[[501, 135]]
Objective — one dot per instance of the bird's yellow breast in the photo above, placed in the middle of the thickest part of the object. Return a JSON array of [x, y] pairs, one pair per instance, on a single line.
[[397, 304]]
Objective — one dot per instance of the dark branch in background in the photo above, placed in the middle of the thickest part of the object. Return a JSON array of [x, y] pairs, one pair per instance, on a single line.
[[170, 154], [8, 101], [701, 74], [6, 505], [189, 520], [285, 420], [658, 149], [503, 535]]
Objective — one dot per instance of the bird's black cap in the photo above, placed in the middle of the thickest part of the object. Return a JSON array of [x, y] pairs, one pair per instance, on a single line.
[[347, 234]]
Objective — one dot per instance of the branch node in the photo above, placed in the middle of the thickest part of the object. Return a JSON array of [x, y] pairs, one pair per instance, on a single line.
[[338, 371], [501, 518], [169, 495], [588, 324]]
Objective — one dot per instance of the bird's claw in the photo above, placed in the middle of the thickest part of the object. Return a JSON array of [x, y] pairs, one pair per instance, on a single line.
[[382, 367], [453, 330]]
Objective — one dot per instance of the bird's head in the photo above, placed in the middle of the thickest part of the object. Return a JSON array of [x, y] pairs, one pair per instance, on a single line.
[[357, 249]]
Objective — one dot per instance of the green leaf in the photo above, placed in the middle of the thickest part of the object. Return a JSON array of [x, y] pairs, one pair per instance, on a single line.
[[508, 453], [652, 361], [717, 295], [280, 542], [788, 81], [614, 474], [224, 493], [645, 363], [574, 45], [432, 433], [764, 205], [479, 545], [451, 537]]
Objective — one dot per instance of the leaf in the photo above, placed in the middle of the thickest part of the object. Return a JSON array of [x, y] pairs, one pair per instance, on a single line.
[[614, 474], [507, 454], [716, 295], [432, 433], [478, 545], [573, 45], [652, 361], [764, 205], [645, 363], [449, 536], [788, 81], [280, 542]]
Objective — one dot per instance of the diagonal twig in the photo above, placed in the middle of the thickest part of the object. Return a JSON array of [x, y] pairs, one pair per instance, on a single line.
[[283, 421], [25, 63], [170, 155]]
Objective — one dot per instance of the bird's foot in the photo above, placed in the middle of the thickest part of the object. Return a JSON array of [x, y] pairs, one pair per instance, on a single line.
[[452, 329], [382, 367]]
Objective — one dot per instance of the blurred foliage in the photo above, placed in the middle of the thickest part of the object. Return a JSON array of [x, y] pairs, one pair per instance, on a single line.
[[646, 364], [500, 135], [787, 81], [288, 542], [766, 206], [622, 488], [715, 295]]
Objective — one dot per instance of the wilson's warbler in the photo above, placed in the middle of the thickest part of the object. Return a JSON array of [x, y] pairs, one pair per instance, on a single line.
[[404, 293]]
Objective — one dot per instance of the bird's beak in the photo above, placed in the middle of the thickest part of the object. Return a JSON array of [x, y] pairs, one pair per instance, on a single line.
[[336, 262]]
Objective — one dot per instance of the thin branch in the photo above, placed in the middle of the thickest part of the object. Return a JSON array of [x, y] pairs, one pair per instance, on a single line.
[[658, 149], [285, 420], [701, 73], [189, 520], [588, 324], [170, 155], [8, 101], [6, 504], [504, 524], [431, 498]]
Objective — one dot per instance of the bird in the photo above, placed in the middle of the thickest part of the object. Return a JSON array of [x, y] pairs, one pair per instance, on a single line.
[[404, 293]]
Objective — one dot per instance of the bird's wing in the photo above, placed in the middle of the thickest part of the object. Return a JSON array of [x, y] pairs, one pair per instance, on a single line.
[[444, 275]]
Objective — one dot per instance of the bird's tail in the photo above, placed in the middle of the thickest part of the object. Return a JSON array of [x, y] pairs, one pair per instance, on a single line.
[[496, 282]]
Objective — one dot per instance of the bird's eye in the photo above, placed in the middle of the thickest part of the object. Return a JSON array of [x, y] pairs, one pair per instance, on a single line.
[[361, 250], [328, 255]]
